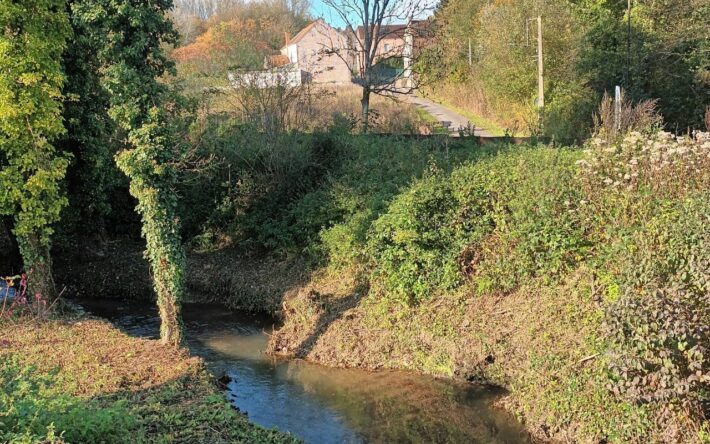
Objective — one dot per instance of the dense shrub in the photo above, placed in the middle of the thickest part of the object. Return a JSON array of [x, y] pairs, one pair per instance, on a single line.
[[378, 170], [250, 179], [538, 232], [313, 193], [414, 245], [661, 323], [498, 221]]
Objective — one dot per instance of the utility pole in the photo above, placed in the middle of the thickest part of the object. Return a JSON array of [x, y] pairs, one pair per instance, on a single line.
[[628, 46], [470, 57], [540, 72]]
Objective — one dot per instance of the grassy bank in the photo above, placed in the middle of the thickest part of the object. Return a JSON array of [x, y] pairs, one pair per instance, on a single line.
[[575, 278], [78, 379]]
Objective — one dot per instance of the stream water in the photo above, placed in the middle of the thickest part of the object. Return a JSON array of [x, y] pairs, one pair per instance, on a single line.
[[321, 404]]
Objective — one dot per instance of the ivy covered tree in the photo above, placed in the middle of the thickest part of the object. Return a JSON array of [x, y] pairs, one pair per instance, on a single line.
[[33, 34], [131, 59]]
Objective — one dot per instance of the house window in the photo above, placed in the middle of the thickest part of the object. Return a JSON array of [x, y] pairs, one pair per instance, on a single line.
[[387, 47]]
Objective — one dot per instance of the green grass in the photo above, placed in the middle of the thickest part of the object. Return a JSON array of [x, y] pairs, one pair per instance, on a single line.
[[522, 266], [425, 116], [81, 380]]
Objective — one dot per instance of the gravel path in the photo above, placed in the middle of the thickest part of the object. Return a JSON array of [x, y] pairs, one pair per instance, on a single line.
[[445, 116]]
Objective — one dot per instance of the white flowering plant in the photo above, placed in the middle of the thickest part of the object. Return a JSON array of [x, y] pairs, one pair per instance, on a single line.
[[660, 162]]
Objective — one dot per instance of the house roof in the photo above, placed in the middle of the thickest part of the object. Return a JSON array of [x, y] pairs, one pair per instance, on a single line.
[[396, 31], [302, 33], [386, 31]]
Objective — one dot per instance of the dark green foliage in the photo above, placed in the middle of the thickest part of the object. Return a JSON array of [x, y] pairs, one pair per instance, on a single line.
[[91, 136], [251, 181], [415, 245], [282, 192], [129, 37], [663, 56], [497, 221]]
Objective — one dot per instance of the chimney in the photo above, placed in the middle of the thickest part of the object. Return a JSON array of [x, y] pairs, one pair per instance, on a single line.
[[286, 38]]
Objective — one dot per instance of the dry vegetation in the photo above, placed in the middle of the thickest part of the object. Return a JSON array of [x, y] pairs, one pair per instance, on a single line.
[[473, 103], [312, 108]]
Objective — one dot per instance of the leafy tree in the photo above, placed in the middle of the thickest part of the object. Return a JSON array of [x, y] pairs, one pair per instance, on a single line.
[[237, 36], [32, 37], [90, 137], [131, 59], [232, 44], [589, 48]]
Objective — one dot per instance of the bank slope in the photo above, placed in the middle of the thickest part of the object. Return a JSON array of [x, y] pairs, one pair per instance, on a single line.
[[578, 279]]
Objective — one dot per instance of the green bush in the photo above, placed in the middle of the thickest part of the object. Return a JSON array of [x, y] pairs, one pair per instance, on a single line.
[[567, 116], [33, 408], [498, 221], [661, 323], [251, 181], [285, 193], [415, 244]]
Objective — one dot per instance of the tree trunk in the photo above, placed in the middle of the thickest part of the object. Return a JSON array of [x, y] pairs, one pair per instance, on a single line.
[[167, 264], [164, 250], [170, 316], [167, 259], [365, 102], [38, 266]]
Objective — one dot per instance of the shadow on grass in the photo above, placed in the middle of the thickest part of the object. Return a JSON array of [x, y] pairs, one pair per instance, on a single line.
[[333, 309]]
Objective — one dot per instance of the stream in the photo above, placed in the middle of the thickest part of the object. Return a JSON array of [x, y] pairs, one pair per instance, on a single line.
[[321, 404]]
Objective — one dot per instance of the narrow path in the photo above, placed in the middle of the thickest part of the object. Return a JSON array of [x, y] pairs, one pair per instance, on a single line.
[[445, 116]]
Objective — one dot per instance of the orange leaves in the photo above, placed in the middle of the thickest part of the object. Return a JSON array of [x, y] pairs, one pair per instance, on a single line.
[[222, 39]]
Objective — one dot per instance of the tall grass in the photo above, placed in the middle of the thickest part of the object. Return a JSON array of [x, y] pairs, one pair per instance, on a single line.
[[312, 108]]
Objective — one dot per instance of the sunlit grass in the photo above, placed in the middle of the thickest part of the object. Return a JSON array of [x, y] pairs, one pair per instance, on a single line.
[[78, 364]]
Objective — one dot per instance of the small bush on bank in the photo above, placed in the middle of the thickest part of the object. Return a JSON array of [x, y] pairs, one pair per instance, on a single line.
[[33, 408]]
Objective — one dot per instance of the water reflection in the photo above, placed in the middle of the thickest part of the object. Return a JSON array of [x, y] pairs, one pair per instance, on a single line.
[[321, 404]]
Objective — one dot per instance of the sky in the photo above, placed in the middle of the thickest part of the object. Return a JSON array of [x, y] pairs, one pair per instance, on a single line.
[[320, 10]]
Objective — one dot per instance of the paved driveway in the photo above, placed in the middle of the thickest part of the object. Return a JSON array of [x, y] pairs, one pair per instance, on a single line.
[[444, 115]]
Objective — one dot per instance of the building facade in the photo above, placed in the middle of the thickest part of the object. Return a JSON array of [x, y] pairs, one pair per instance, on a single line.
[[322, 53]]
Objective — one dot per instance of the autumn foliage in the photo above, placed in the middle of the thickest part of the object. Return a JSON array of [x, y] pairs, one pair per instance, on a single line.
[[242, 37], [238, 43]]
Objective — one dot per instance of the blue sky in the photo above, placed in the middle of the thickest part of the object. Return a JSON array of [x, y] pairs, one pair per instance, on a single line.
[[318, 9]]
